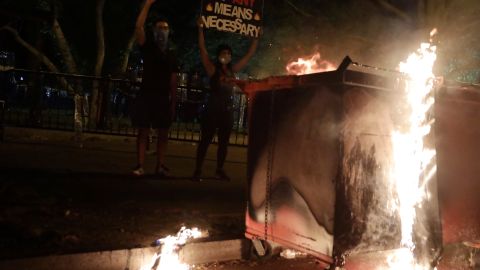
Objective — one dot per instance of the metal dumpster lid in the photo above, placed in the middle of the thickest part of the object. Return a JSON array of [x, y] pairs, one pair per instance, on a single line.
[[348, 73]]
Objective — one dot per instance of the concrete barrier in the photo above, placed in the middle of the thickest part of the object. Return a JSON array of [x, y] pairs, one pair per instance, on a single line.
[[133, 259]]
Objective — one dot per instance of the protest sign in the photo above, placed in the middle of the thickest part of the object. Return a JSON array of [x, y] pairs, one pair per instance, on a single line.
[[236, 16]]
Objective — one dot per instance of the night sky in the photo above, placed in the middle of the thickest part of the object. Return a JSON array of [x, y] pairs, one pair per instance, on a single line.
[[374, 32]]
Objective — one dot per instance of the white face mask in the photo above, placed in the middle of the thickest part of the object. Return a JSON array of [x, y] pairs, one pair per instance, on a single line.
[[225, 59], [161, 38]]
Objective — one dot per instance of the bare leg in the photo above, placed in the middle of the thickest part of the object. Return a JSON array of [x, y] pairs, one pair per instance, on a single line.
[[206, 138], [224, 131], [142, 138], [223, 138], [162, 141]]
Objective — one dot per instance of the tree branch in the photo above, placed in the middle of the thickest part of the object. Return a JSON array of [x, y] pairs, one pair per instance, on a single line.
[[49, 64], [63, 47], [31, 49], [126, 54], [100, 38], [97, 95]]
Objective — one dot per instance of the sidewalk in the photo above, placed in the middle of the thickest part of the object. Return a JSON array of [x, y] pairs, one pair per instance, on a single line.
[[57, 197], [105, 153]]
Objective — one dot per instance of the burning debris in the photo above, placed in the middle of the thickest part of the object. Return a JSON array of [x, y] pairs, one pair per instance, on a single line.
[[292, 254], [308, 65], [167, 258], [414, 161]]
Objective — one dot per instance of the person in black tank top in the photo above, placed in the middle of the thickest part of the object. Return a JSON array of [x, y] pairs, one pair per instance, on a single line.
[[219, 110], [155, 102]]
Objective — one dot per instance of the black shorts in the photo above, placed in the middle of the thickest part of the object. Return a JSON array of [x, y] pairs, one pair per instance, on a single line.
[[214, 118], [151, 111]]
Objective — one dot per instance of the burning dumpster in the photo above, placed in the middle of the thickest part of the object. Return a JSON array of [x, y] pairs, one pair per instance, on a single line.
[[458, 152], [293, 157], [320, 167]]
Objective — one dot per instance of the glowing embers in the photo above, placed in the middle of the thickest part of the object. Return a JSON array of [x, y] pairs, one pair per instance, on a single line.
[[414, 161], [168, 257], [309, 64]]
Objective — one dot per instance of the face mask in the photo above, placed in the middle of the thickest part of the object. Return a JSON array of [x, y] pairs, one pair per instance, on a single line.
[[225, 59], [161, 38]]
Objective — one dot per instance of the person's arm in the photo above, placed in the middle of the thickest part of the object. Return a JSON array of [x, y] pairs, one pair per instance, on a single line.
[[244, 61], [207, 63], [140, 24]]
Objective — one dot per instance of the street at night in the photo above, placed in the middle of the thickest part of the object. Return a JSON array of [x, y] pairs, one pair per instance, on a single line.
[[239, 134], [62, 198]]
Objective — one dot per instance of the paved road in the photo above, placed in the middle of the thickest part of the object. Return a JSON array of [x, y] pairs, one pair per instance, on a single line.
[[276, 263], [66, 198], [58, 197]]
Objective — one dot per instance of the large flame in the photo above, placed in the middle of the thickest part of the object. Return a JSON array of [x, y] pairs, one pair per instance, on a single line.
[[414, 162], [168, 259], [309, 64]]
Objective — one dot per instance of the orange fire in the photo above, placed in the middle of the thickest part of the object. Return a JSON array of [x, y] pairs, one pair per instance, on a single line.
[[412, 158], [309, 64], [167, 258]]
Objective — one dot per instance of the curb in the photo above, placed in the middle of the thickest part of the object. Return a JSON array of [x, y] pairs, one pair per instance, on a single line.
[[133, 259]]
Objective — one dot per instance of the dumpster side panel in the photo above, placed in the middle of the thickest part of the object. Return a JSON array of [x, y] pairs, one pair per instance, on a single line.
[[458, 151], [366, 216], [364, 219], [303, 128]]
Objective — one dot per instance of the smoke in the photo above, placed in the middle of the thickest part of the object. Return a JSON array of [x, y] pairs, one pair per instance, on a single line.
[[356, 29], [368, 222], [371, 35], [459, 41]]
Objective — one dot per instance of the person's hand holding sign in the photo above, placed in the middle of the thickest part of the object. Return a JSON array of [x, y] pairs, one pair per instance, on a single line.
[[200, 22], [240, 17], [260, 32], [233, 16]]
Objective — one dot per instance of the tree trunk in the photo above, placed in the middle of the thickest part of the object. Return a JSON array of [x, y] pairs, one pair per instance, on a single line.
[[100, 38], [96, 101], [125, 56], [64, 48]]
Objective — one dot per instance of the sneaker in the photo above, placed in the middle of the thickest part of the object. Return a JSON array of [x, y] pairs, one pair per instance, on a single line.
[[138, 171], [197, 176], [162, 171], [221, 175], [165, 168]]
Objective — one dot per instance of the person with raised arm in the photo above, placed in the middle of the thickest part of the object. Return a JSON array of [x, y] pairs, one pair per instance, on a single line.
[[156, 100], [218, 114]]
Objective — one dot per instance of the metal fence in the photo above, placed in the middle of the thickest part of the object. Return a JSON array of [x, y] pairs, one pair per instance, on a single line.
[[57, 101]]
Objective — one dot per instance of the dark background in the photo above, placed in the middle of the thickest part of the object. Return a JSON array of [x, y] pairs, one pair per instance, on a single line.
[[374, 32]]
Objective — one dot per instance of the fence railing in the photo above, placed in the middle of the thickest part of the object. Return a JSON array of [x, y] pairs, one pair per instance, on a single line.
[[61, 101]]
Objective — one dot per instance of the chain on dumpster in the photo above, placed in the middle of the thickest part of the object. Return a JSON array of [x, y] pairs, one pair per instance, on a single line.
[[270, 157]]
